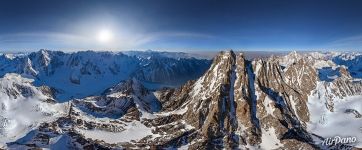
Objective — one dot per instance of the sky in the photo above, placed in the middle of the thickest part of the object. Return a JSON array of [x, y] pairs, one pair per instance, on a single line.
[[180, 25]]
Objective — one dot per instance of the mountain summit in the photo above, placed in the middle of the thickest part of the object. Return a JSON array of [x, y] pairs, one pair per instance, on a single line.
[[281, 102], [241, 103]]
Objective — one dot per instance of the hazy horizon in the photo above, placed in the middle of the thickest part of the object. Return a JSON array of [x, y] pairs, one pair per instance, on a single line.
[[175, 51]]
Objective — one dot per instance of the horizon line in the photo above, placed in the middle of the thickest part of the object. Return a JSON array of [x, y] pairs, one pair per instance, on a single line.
[[271, 50]]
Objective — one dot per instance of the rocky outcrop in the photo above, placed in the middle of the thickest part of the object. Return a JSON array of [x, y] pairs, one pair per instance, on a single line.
[[236, 104], [338, 89], [118, 100]]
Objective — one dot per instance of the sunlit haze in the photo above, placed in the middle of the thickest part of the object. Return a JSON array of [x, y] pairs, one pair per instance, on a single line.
[[180, 25], [104, 36]]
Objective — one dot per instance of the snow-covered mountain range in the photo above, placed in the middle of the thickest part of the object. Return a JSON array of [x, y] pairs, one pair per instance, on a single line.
[[80, 74], [294, 101]]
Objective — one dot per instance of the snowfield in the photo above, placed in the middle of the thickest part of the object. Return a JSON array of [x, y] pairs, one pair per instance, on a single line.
[[23, 108], [84, 73], [115, 98], [134, 131], [337, 123]]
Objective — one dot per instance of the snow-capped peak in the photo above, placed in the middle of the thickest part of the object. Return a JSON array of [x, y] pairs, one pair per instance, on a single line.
[[23, 107]]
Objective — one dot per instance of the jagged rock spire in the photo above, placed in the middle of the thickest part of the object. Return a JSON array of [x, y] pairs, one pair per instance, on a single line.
[[237, 101]]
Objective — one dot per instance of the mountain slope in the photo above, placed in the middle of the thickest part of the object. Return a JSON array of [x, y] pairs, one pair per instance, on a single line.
[[74, 74], [24, 107], [259, 104], [273, 103], [226, 105]]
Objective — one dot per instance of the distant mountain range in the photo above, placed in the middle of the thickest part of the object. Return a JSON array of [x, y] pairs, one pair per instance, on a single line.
[[165, 100], [79, 74]]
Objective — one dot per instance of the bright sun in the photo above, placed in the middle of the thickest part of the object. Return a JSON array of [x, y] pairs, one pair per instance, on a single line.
[[104, 36]]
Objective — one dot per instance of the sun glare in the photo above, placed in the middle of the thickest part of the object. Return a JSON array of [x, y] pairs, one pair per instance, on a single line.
[[104, 36]]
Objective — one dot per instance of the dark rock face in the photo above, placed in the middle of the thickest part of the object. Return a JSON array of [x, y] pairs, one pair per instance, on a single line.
[[118, 100], [227, 107], [236, 104], [354, 112]]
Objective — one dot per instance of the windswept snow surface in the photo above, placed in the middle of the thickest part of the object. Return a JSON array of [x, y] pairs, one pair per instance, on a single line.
[[134, 131], [338, 123], [269, 139], [23, 108]]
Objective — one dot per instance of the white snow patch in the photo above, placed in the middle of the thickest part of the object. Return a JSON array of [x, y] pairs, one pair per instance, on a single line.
[[268, 105], [338, 123], [22, 111], [134, 131], [269, 139]]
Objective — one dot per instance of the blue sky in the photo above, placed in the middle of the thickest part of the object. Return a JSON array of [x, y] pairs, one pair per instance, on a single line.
[[181, 25]]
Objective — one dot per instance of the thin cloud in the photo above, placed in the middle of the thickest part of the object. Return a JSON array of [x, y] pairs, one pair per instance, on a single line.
[[88, 41], [352, 42], [151, 37], [40, 37]]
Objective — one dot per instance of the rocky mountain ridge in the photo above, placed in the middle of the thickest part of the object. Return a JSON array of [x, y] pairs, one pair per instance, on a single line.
[[73, 74], [273, 103]]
